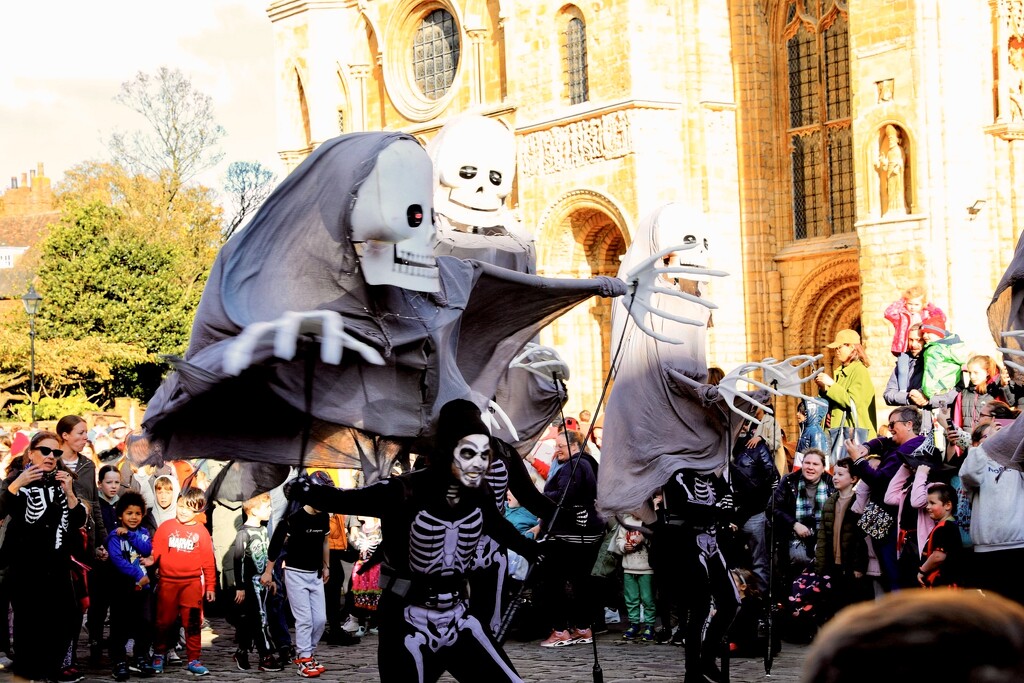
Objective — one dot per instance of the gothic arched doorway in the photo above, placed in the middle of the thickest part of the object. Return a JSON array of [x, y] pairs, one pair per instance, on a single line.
[[582, 236]]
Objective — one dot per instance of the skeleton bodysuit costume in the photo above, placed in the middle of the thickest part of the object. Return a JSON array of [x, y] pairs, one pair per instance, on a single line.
[[507, 471], [696, 504], [37, 546], [431, 523]]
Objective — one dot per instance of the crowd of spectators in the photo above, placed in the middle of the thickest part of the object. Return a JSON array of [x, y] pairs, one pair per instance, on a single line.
[[863, 509]]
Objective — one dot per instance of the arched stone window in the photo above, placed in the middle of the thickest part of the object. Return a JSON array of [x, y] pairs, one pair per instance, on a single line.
[[819, 128], [574, 57]]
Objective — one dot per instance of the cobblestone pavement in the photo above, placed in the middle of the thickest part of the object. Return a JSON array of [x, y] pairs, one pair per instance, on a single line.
[[620, 662]]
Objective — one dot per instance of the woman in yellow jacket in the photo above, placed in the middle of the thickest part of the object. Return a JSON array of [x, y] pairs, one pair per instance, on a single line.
[[851, 386]]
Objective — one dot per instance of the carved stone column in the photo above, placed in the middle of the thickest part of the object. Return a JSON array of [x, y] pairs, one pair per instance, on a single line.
[[360, 73], [476, 41]]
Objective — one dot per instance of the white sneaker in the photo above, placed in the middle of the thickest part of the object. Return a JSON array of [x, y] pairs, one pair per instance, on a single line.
[[5, 662], [351, 625], [611, 616], [173, 657]]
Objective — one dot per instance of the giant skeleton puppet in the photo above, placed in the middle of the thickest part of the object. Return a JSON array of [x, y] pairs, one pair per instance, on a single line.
[[331, 303], [666, 429], [337, 269], [474, 166]]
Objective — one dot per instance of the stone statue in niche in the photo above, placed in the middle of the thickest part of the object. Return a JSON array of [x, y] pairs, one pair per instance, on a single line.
[[891, 166], [1015, 79]]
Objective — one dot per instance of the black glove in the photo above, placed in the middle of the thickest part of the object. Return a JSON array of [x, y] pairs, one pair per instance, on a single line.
[[297, 490]]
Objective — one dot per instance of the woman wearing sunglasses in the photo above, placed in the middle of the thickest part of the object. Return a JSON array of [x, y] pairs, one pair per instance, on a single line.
[[44, 514]]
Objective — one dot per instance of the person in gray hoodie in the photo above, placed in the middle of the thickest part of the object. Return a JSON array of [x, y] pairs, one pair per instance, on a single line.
[[992, 474]]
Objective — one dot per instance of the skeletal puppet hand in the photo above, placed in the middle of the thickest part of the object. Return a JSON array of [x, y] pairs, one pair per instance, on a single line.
[[327, 326], [1017, 365], [784, 377], [642, 284], [541, 360], [780, 378]]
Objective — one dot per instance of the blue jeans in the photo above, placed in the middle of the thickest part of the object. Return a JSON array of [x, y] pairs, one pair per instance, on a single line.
[[753, 530]]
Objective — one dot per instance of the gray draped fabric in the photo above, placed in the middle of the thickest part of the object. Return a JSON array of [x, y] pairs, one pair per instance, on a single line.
[[295, 255], [654, 424], [1005, 313], [530, 401]]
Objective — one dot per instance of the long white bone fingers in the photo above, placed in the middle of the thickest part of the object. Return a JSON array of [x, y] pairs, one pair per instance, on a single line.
[[541, 360], [707, 303], [238, 355], [646, 264], [497, 418]]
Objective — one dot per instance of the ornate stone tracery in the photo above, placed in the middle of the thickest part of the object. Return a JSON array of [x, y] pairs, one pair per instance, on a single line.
[[575, 144]]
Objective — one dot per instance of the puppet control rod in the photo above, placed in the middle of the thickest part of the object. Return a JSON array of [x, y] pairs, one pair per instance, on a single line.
[[518, 600]]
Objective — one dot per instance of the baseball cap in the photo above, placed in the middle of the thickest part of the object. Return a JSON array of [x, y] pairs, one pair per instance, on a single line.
[[845, 337]]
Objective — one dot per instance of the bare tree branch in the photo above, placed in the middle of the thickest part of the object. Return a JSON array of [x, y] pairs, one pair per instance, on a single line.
[[183, 135], [248, 183]]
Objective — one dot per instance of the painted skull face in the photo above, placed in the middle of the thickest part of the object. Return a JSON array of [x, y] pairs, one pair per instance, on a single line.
[[471, 459], [393, 220], [475, 160]]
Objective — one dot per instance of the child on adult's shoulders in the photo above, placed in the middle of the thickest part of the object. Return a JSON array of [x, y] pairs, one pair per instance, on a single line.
[[910, 309]]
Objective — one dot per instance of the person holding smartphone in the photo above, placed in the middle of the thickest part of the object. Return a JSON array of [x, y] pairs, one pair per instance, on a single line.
[[45, 513]]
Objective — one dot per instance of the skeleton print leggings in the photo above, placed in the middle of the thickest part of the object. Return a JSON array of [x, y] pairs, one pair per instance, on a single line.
[[419, 644]]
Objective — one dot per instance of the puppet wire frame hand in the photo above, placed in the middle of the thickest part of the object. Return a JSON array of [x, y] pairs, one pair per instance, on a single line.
[[327, 327], [1018, 364], [784, 377], [497, 419], [543, 361], [781, 378], [642, 283]]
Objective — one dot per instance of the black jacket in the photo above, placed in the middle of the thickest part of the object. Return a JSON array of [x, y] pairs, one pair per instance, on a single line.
[[754, 478]]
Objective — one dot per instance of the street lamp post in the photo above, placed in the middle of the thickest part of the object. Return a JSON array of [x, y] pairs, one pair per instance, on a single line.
[[31, 300]]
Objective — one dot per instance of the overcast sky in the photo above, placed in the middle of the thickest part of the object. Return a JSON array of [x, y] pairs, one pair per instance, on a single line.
[[62, 62]]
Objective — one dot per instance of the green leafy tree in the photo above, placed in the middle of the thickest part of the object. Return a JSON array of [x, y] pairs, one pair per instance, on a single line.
[[122, 272], [119, 270], [63, 366]]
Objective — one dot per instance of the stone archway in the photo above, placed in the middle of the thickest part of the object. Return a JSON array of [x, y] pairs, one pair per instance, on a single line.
[[582, 235], [828, 300]]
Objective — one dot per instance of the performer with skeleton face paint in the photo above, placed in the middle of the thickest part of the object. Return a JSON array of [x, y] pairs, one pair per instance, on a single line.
[[45, 515], [431, 522]]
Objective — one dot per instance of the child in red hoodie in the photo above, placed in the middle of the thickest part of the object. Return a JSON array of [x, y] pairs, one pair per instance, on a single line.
[[183, 550]]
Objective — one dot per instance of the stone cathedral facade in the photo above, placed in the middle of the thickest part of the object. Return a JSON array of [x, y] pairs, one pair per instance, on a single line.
[[844, 151]]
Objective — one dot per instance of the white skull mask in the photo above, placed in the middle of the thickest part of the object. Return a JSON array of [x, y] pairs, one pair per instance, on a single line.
[[392, 220], [471, 459], [475, 162], [676, 224]]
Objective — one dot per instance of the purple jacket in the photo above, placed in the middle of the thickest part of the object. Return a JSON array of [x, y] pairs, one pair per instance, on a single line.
[[878, 478]]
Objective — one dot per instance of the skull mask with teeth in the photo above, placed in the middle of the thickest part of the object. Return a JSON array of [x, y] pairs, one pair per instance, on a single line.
[[393, 220]]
